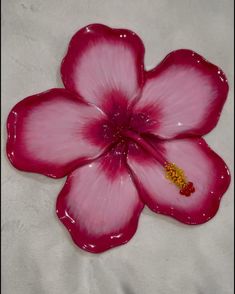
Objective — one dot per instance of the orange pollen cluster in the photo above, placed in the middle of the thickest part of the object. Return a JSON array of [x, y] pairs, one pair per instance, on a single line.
[[177, 177]]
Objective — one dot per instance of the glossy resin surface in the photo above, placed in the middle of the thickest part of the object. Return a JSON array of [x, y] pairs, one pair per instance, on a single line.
[[124, 136]]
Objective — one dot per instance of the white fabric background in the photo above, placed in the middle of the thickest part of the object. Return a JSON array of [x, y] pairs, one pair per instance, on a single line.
[[164, 256]]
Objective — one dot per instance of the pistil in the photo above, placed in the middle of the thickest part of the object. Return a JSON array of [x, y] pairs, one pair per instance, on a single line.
[[177, 177], [146, 146], [172, 172]]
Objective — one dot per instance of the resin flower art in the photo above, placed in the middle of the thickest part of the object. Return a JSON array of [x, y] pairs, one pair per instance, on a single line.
[[124, 136]]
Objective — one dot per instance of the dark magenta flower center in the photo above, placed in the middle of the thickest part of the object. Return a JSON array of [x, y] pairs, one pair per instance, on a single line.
[[123, 126], [121, 120]]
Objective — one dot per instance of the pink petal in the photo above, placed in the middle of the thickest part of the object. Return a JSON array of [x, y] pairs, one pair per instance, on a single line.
[[46, 133], [202, 166], [187, 94], [101, 60], [99, 204]]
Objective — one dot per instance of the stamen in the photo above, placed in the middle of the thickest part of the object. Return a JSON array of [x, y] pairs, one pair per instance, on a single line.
[[177, 177]]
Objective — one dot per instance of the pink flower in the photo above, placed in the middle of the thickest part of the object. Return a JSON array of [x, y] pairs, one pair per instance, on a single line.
[[125, 137]]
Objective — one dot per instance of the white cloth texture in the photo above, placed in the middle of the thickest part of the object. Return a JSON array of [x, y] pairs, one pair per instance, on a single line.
[[164, 256]]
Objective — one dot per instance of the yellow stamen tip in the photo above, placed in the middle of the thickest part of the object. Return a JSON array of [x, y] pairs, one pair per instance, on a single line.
[[176, 175]]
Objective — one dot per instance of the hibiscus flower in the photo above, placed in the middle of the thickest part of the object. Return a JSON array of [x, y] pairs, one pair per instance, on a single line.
[[126, 137]]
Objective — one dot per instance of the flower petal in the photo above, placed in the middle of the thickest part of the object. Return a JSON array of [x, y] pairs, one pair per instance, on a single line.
[[100, 61], [202, 166], [46, 133], [99, 204], [187, 94]]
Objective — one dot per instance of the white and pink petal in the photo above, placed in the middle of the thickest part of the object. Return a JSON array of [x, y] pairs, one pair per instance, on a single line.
[[47, 133], [99, 204], [201, 165], [102, 62], [185, 94]]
